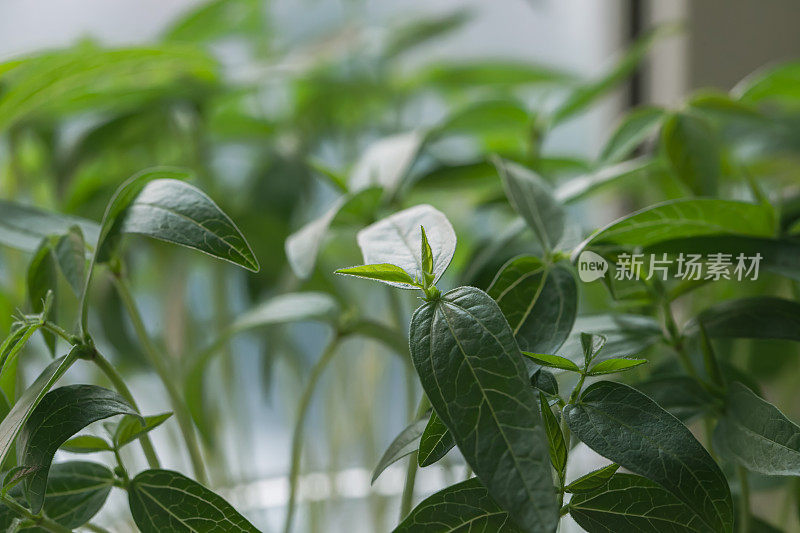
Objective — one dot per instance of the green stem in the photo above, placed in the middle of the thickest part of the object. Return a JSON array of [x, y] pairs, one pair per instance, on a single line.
[[39, 520], [169, 381], [297, 435], [123, 472], [744, 502], [119, 383], [407, 499]]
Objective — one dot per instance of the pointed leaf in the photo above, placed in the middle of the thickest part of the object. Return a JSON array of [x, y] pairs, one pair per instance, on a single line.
[[681, 396], [591, 344], [42, 278], [23, 227], [758, 317], [404, 444], [634, 503], [545, 381], [555, 439], [289, 307], [553, 361], [131, 427], [533, 199], [539, 302], [70, 255], [465, 506], [385, 272], [86, 444], [592, 481], [395, 240], [435, 442], [755, 434], [162, 500], [581, 186], [693, 151], [491, 408], [617, 364], [624, 425], [76, 491], [60, 414], [635, 128]]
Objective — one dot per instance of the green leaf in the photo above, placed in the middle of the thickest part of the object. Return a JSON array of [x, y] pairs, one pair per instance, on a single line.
[[385, 272], [533, 199], [60, 414], [76, 491], [86, 444], [217, 19], [42, 278], [427, 257], [155, 204], [70, 256], [776, 84], [411, 35], [131, 427], [684, 218], [591, 344], [14, 343], [755, 434], [491, 408], [627, 427], [555, 439], [404, 444], [617, 364], [162, 500], [435, 442], [634, 503], [624, 333], [634, 129], [23, 227], [386, 162], [681, 396], [758, 317], [581, 186], [592, 481], [553, 361], [465, 506], [492, 73], [395, 240], [539, 302], [302, 247], [545, 381], [694, 152], [587, 94], [30, 398]]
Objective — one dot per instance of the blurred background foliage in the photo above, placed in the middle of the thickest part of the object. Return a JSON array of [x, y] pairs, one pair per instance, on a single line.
[[303, 141]]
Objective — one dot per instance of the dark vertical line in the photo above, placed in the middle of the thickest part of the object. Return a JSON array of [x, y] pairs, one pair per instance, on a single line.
[[636, 23]]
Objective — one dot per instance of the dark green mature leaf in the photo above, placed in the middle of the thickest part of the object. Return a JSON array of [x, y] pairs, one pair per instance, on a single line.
[[624, 425], [404, 444], [634, 503], [435, 442], [382, 272], [593, 480], [30, 398], [634, 129], [131, 427], [612, 366], [491, 408], [533, 199], [759, 317], [86, 444], [42, 278], [302, 247], [76, 491], [70, 256], [625, 334], [465, 506], [396, 240], [755, 434], [539, 302], [60, 414], [545, 381], [162, 500], [552, 361], [684, 218], [23, 227], [555, 439], [682, 396], [693, 151]]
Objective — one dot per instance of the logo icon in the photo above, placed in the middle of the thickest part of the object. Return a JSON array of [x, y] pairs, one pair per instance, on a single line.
[[591, 266]]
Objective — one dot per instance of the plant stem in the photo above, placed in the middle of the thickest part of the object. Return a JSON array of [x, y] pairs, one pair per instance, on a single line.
[[407, 500], [744, 502], [170, 383], [297, 435], [39, 520], [119, 384]]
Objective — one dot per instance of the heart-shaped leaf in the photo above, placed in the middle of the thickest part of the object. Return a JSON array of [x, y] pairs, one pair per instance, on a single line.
[[755, 434], [59, 415], [540, 302], [162, 500], [624, 425], [461, 507], [404, 444], [435, 442], [491, 409], [396, 240]]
